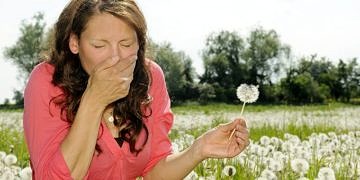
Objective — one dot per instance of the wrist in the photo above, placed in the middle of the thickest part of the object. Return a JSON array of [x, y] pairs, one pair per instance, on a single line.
[[197, 150], [91, 98], [92, 103]]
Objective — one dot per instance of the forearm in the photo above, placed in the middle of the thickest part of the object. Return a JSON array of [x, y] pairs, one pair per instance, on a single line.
[[177, 166], [78, 146]]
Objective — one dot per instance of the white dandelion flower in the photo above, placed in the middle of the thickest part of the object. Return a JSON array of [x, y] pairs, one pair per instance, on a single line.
[[10, 159], [260, 178], [192, 176], [247, 93], [357, 133], [326, 173], [229, 171], [26, 173], [300, 166], [8, 175], [2, 155], [265, 140], [268, 174], [275, 165]]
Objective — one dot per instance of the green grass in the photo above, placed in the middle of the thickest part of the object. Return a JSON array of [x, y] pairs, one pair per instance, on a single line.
[[211, 108], [256, 133], [13, 142]]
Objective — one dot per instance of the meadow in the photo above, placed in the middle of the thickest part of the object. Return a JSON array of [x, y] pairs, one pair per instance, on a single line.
[[287, 142]]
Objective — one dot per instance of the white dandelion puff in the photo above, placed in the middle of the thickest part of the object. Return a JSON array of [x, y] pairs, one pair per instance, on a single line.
[[247, 93], [2, 155], [268, 174], [300, 166], [8, 175], [326, 173], [229, 171], [10, 159], [26, 173], [260, 178], [265, 140], [191, 176], [275, 165]]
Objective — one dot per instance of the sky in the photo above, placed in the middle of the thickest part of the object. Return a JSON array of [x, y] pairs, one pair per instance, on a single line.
[[328, 28]]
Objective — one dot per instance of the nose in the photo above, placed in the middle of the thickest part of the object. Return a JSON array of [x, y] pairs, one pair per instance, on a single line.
[[115, 50]]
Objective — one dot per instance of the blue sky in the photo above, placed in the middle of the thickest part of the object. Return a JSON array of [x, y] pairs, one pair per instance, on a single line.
[[327, 27]]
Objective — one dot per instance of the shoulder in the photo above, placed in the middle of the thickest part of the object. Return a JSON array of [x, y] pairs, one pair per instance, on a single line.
[[42, 72], [40, 80], [156, 72]]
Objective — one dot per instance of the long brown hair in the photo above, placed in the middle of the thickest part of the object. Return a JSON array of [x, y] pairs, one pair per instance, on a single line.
[[70, 76]]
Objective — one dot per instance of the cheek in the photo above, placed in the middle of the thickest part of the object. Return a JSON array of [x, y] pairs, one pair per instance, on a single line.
[[127, 52], [90, 60]]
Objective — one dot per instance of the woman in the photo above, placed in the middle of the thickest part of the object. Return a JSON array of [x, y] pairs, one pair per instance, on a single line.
[[99, 110]]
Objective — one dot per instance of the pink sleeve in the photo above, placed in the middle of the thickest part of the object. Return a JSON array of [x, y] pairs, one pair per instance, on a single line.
[[162, 118], [43, 128]]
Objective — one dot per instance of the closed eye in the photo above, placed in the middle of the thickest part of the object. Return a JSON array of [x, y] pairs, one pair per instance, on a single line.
[[98, 46]]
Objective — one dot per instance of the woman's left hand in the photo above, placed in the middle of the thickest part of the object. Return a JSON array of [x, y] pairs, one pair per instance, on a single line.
[[215, 143]]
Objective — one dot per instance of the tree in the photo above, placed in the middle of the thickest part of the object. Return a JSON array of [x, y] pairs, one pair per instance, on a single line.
[[264, 58], [230, 61], [302, 88], [18, 98], [224, 68], [25, 54], [178, 71], [348, 77]]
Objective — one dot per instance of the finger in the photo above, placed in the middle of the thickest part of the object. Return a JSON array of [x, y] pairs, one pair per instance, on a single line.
[[242, 122], [106, 64], [228, 126], [126, 63], [242, 143], [241, 137], [128, 71]]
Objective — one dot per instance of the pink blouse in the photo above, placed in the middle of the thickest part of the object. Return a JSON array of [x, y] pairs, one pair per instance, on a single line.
[[45, 130]]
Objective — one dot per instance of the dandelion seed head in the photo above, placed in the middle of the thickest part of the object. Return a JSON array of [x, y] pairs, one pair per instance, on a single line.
[[247, 93], [229, 170], [275, 165], [26, 173], [2, 155], [7, 175], [261, 178], [192, 176], [265, 140], [326, 173], [268, 174], [300, 166], [10, 159]]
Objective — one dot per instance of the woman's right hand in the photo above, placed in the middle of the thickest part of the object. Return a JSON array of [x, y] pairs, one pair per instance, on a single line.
[[110, 80]]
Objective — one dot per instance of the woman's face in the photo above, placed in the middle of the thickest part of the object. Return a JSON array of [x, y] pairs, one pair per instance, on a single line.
[[105, 36]]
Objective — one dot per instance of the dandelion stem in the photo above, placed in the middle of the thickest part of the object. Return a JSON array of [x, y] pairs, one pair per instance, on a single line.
[[242, 110]]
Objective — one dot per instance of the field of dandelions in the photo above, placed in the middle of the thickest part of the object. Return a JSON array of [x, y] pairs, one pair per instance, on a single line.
[[287, 142]]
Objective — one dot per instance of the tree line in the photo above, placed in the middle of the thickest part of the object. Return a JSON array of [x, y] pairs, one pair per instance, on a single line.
[[229, 60]]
